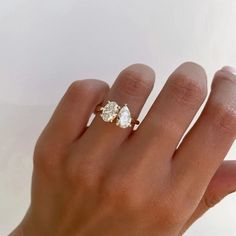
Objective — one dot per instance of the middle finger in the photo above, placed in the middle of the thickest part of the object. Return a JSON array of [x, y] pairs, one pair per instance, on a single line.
[[173, 111]]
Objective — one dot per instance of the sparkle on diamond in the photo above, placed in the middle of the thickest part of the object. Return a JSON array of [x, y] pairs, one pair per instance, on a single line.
[[110, 111], [124, 117]]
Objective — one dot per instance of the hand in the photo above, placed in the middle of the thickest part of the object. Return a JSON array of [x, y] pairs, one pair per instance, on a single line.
[[105, 180]]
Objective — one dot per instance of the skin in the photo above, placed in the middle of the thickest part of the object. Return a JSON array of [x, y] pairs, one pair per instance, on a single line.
[[104, 180]]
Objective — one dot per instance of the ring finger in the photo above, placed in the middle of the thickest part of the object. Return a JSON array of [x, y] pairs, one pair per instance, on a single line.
[[132, 87]]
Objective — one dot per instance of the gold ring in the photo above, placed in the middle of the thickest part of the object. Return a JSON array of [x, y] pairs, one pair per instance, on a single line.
[[113, 112]]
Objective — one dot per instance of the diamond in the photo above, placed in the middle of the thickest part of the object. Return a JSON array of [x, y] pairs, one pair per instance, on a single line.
[[124, 117], [110, 111]]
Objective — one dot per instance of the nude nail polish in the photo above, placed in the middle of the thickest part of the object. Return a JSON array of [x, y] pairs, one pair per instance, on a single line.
[[229, 69]]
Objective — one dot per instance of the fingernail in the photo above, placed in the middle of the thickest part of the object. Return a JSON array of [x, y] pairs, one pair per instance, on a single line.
[[229, 69]]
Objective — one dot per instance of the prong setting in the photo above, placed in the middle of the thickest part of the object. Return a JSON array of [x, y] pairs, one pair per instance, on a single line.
[[110, 111]]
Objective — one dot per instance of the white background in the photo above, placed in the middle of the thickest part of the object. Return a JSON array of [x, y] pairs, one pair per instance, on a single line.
[[45, 45]]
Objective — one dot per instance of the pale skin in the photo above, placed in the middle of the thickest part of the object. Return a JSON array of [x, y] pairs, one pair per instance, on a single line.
[[105, 180]]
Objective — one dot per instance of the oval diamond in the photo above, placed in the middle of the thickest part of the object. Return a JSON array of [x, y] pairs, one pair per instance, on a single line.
[[110, 111], [124, 117]]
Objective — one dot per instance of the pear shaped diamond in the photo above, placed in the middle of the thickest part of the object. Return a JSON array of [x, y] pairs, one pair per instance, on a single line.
[[110, 111], [124, 117]]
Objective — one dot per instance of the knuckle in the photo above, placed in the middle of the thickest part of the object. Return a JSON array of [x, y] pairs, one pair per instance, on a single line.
[[134, 83], [224, 119], [80, 88], [186, 90], [76, 87]]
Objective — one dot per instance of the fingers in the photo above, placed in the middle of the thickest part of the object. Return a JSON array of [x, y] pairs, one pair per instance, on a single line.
[[72, 113], [132, 87], [222, 184], [173, 110], [207, 143]]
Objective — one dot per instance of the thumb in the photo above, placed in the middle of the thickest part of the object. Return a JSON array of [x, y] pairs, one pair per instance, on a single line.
[[222, 184]]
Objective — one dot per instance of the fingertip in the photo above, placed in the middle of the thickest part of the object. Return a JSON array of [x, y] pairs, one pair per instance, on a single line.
[[229, 69]]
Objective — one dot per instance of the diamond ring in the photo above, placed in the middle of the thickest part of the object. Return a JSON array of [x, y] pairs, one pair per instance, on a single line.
[[113, 112]]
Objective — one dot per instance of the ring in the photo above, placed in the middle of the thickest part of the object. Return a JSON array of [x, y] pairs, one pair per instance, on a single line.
[[113, 112]]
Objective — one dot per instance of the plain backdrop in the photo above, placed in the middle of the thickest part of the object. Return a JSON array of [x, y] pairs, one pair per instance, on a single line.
[[45, 45]]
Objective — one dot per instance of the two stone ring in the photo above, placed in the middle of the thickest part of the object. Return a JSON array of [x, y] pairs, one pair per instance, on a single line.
[[113, 112]]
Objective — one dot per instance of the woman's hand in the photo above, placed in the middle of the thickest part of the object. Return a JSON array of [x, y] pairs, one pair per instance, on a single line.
[[104, 180]]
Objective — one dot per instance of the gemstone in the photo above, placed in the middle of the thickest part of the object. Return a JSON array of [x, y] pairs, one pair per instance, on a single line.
[[124, 117], [110, 111]]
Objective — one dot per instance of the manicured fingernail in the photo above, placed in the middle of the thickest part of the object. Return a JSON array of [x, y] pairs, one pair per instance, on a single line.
[[229, 69]]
